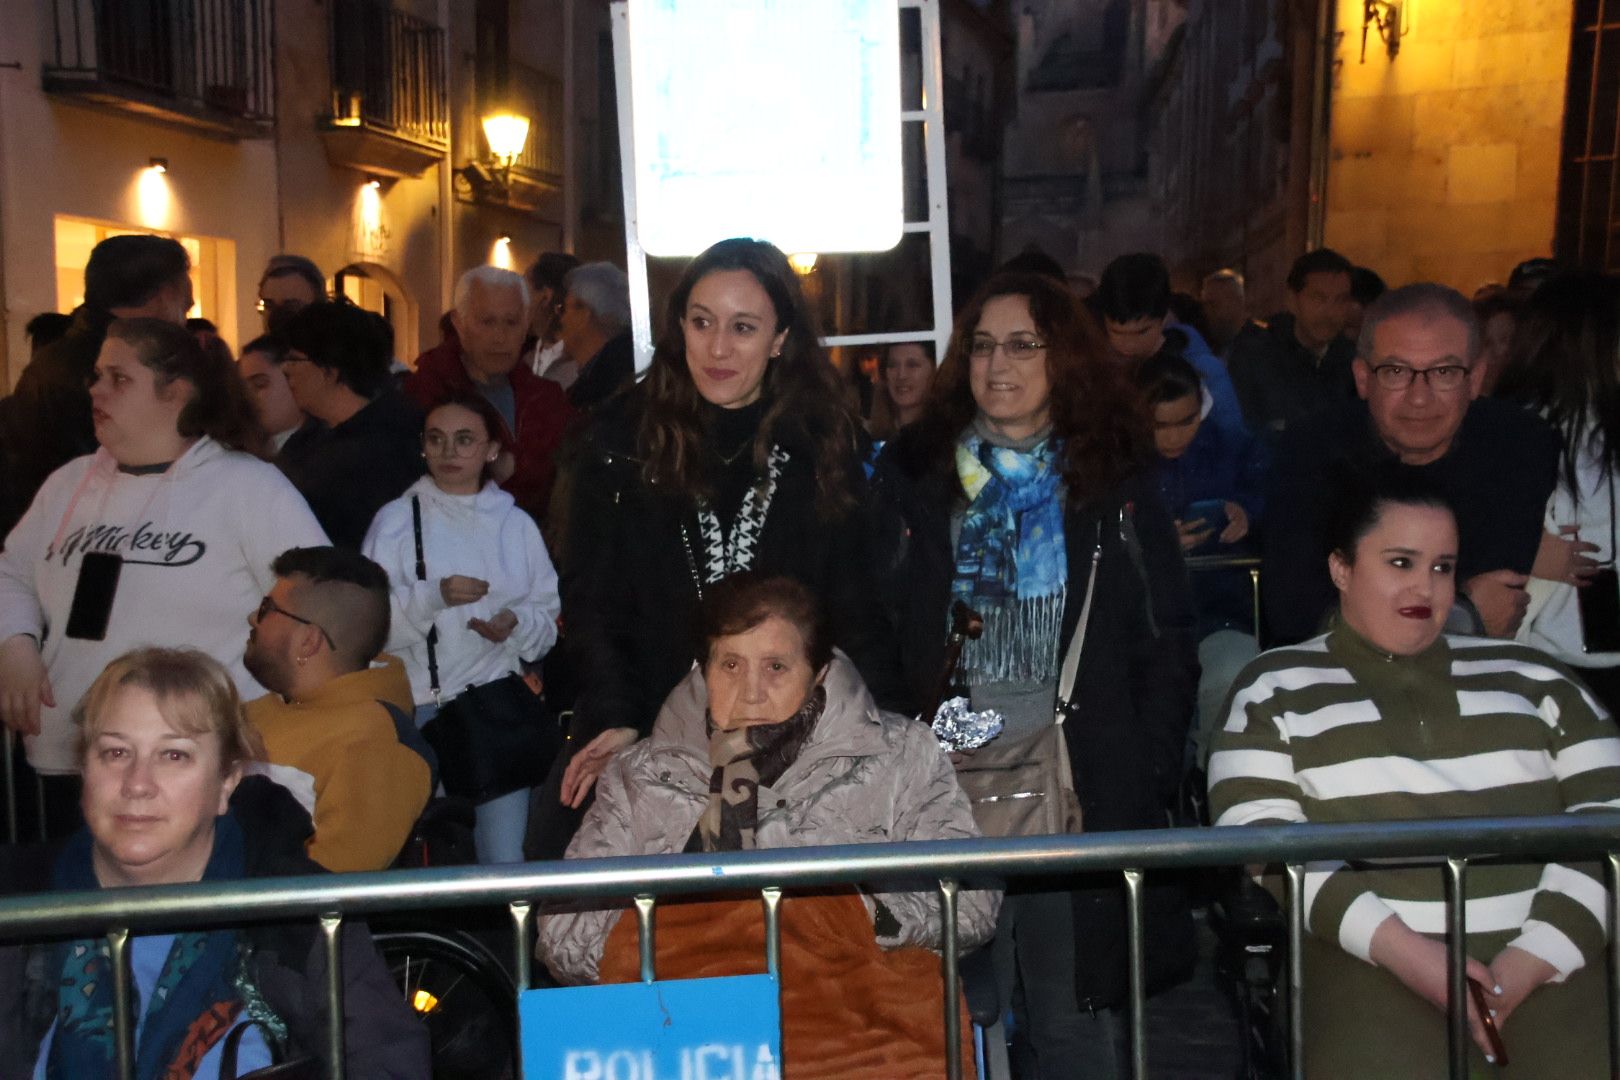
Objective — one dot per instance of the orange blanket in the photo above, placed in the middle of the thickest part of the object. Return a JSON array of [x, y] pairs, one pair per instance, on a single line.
[[850, 1010]]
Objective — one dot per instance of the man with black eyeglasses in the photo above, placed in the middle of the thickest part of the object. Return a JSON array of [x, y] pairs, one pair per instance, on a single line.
[[1419, 379], [337, 722]]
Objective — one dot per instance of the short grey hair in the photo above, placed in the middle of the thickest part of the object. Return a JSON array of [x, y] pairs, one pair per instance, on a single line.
[[1423, 298], [603, 288], [488, 277]]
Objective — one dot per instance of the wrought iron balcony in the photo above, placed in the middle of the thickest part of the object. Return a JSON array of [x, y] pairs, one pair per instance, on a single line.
[[390, 103], [205, 64]]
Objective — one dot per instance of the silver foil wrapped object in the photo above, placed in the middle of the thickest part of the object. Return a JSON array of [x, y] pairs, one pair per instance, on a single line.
[[958, 727]]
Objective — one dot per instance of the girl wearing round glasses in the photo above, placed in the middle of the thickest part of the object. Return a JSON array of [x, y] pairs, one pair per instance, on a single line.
[[1018, 493], [163, 536], [483, 585]]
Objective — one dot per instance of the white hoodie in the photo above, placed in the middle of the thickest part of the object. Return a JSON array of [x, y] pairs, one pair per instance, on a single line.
[[197, 541], [484, 536]]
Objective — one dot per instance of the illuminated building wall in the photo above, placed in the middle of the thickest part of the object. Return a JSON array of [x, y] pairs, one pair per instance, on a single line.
[[1444, 159]]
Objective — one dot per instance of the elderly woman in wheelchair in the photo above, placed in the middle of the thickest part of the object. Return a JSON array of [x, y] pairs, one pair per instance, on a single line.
[[773, 741]]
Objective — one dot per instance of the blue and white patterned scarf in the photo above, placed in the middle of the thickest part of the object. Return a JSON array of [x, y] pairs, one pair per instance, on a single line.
[[1011, 561]]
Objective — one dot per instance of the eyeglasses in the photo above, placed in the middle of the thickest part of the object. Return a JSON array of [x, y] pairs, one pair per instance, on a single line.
[[462, 444], [1442, 378], [1018, 347], [268, 606]]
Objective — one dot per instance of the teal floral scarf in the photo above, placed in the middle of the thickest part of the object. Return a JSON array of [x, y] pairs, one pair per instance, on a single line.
[[1011, 560]]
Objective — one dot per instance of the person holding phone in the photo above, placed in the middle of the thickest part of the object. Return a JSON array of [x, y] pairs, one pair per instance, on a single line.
[[1566, 366], [163, 536], [1211, 478], [1384, 718]]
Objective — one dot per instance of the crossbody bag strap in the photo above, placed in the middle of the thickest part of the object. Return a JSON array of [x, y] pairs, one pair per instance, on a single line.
[[421, 575], [1071, 658]]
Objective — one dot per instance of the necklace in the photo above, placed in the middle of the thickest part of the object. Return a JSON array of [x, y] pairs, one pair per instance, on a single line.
[[727, 459]]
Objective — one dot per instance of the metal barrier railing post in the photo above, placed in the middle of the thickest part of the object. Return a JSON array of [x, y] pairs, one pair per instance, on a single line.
[[11, 786], [331, 926], [123, 1015], [644, 927], [1137, 944], [953, 983], [522, 963], [1457, 966], [1296, 970], [771, 897], [1614, 961], [1254, 588]]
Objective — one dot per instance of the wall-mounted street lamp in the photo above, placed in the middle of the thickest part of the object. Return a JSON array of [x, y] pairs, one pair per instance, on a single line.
[[1385, 16], [506, 132], [803, 262]]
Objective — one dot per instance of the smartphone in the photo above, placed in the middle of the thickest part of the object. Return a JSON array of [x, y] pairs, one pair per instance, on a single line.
[[1206, 514], [93, 596], [1492, 1036], [1600, 612]]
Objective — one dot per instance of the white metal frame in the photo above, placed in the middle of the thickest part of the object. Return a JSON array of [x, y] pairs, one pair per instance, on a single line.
[[937, 225]]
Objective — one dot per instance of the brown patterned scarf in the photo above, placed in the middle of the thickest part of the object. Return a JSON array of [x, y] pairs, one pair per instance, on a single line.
[[743, 759]]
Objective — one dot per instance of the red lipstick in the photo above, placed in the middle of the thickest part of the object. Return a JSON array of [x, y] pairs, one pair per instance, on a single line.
[[1418, 611]]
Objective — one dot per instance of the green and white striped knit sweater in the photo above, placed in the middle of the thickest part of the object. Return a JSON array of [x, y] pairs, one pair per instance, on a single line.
[[1334, 730]]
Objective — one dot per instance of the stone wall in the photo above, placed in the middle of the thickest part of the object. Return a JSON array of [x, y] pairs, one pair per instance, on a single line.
[[1444, 160]]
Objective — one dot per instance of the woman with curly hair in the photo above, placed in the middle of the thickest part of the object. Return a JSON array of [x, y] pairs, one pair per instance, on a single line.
[[1019, 493], [737, 452]]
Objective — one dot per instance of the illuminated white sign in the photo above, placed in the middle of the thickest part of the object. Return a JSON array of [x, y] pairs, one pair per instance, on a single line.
[[778, 119]]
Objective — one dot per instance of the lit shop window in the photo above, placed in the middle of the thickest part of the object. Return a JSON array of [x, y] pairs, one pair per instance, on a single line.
[[213, 268]]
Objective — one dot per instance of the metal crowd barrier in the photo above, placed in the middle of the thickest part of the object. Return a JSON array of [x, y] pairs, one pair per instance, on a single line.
[[952, 864], [1251, 563]]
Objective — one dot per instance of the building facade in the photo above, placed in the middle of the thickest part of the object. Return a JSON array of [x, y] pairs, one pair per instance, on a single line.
[[348, 131], [1421, 139]]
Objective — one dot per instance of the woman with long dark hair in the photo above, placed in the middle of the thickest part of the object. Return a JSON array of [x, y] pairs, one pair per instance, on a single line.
[[738, 451], [1020, 494], [163, 536], [1566, 366]]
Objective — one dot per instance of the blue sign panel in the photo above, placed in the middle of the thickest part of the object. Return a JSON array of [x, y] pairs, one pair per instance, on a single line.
[[689, 1029]]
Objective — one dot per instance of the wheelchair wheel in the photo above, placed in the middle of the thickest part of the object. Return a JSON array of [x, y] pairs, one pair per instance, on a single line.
[[463, 996]]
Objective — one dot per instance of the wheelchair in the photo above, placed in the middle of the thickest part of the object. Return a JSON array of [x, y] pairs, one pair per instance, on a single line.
[[449, 975]]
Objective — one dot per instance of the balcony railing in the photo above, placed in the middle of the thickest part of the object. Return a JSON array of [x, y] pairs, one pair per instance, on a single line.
[[539, 96], [388, 75], [203, 63]]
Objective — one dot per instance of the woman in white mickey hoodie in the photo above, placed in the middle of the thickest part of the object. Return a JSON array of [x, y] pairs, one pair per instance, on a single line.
[[490, 589], [180, 523]]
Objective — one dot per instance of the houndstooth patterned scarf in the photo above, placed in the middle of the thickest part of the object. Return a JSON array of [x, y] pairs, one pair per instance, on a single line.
[[723, 555]]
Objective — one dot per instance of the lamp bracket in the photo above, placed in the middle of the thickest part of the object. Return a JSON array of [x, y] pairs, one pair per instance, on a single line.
[[1385, 16]]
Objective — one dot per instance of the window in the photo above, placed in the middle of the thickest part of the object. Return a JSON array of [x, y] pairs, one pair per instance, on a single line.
[[1588, 226], [213, 268]]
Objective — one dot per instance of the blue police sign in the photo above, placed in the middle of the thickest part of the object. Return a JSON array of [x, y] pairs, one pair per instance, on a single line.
[[690, 1029]]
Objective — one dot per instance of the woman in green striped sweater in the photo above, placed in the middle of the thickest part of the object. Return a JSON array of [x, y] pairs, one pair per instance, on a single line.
[[1384, 718]]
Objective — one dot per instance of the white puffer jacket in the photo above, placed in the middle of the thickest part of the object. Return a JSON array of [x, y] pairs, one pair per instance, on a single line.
[[863, 777]]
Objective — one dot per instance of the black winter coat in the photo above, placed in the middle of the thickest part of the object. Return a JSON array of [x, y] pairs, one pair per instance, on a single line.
[[629, 595], [1134, 691], [383, 1038], [349, 472], [46, 422]]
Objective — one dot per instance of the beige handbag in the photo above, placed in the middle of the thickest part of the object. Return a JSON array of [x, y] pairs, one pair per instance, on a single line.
[[1025, 787]]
